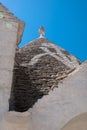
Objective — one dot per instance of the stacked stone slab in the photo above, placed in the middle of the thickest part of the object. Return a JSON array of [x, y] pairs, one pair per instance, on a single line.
[[37, 67], [11, 30]]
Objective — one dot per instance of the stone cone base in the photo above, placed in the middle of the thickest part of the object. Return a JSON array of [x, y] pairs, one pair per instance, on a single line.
[[16, 121]]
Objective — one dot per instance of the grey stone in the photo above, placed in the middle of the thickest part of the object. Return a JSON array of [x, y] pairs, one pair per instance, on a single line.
[[35, 71]]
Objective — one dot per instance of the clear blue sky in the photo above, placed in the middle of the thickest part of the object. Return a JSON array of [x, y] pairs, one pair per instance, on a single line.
[[65, 22]]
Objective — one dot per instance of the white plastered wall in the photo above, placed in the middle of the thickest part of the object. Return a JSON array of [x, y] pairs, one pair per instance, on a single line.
[[8, 39], [53, 111]]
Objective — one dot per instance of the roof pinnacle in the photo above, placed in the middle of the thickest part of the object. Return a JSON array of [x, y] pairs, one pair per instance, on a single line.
[[42, 31]]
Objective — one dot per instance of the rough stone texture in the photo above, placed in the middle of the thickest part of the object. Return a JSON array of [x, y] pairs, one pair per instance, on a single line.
[[53, 111], [39, 67], [9, 27], [36, 67]]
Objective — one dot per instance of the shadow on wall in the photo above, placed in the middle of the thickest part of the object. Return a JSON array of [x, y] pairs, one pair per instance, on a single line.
[[23, 95]]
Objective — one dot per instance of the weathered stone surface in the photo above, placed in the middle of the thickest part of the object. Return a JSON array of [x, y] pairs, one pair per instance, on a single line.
[[9, 28], [53, 111], [37, 65]]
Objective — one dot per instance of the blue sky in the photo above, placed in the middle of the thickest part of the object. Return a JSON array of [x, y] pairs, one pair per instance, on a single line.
[[65, 22]]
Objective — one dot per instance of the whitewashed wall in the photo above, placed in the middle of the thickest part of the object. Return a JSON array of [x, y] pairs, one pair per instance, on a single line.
[[16, 121], [53, 111], [8, 39]]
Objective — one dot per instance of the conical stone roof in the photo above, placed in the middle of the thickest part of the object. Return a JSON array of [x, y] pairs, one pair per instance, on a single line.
[[37, 66], [42, 47]]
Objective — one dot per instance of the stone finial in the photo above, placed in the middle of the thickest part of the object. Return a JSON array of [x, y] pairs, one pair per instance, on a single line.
[[42, 31]]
